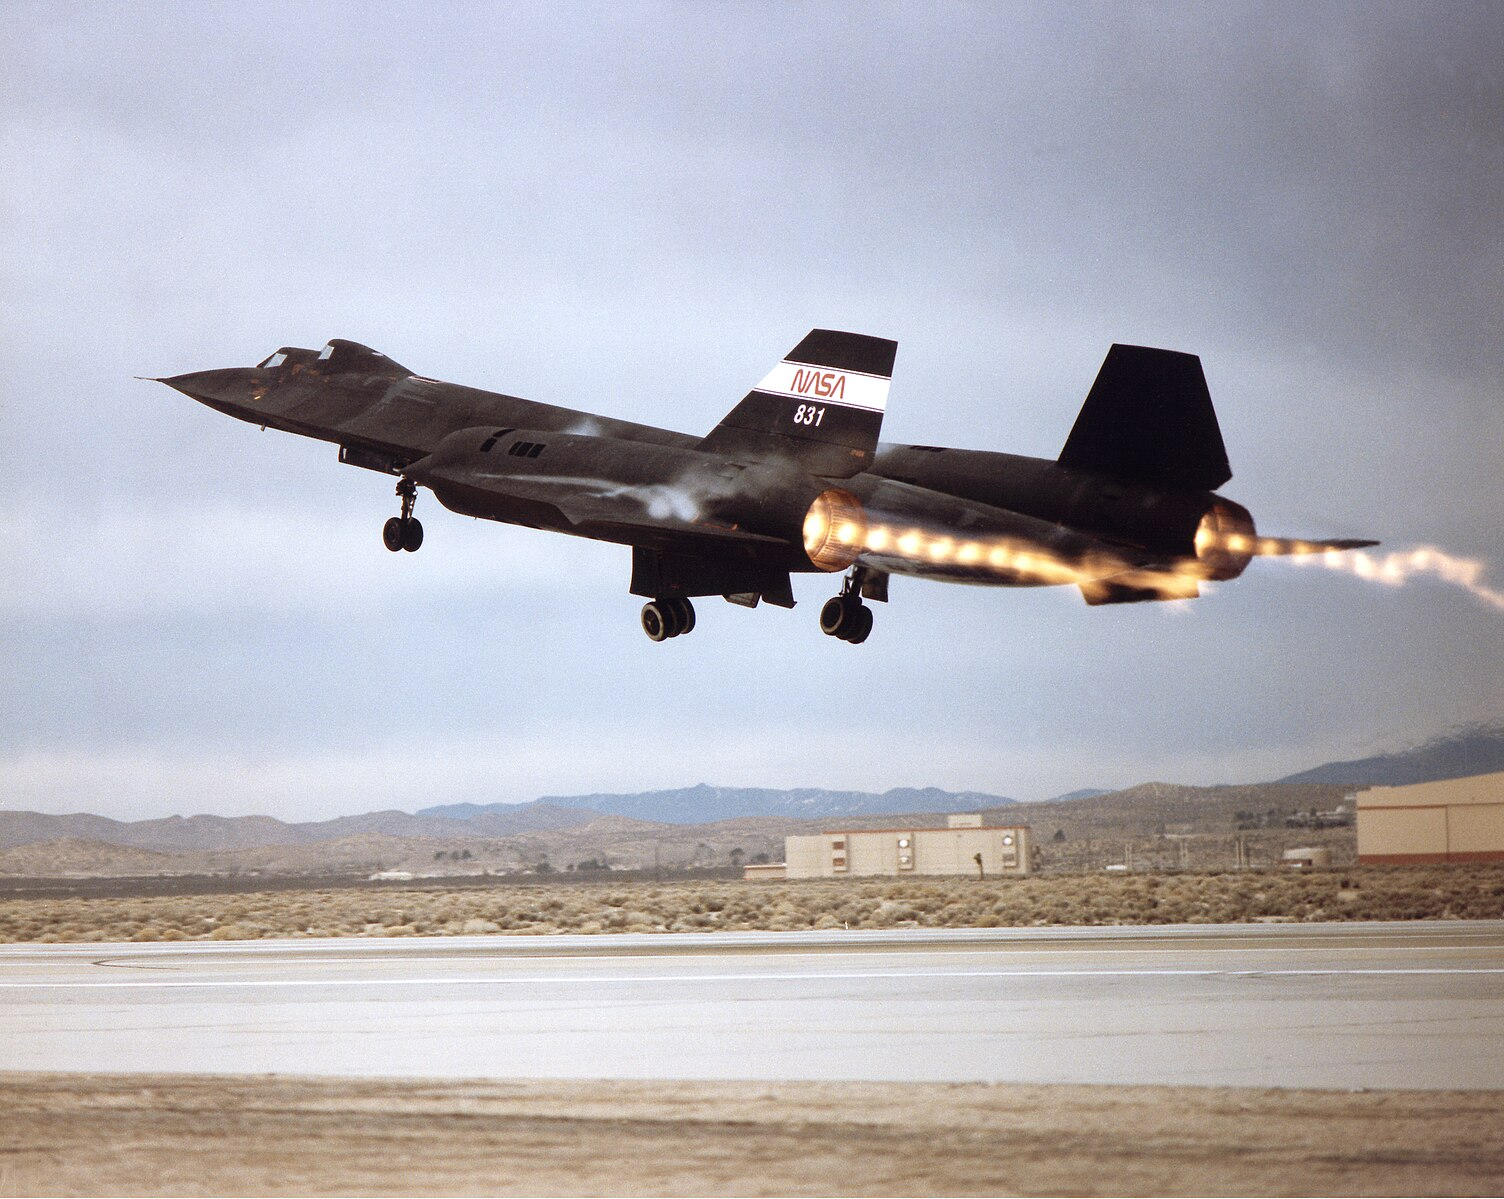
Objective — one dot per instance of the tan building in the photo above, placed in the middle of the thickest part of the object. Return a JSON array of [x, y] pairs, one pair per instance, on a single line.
[[1455, 820], [965, 847]]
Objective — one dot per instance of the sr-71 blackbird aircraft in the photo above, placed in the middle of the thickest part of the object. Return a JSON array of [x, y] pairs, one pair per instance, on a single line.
[[794, 480]]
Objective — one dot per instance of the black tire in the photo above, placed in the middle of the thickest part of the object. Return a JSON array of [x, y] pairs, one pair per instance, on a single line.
[[392, 534], [684, 616], [861, 625], [412, 535], [835, 616], [656, 621]]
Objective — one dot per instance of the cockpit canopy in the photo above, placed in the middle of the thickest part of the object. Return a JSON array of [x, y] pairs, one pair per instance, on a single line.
[[337, 358], [288, 354]]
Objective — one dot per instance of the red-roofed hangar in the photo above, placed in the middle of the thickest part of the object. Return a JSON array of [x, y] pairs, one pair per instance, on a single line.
[[1454, 820]]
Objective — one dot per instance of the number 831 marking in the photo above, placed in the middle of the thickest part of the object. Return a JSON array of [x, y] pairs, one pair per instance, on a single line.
[[809, 414]]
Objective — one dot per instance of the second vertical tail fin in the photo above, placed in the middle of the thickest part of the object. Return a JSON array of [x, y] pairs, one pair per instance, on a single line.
[[1149, 418]]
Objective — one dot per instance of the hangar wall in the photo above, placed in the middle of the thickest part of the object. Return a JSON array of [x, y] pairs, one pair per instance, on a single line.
[[1454, 820], [897, 851]]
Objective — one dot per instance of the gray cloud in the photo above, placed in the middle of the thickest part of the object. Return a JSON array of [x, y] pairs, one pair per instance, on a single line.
[[635, 210]]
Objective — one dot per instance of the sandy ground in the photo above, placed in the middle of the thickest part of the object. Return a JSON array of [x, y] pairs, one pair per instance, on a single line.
[[180, 1135]]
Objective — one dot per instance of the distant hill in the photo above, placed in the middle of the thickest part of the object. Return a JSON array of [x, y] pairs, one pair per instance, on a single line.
[[1082, 793], [1476, 749], [687, 809], [85, 858], [623, 843], [189, 833], [1074, 832], [504, 819], [689, 824], [704, 804]]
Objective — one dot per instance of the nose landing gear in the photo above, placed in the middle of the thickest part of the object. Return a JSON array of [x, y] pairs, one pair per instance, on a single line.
[[404, 532], [665, 618]]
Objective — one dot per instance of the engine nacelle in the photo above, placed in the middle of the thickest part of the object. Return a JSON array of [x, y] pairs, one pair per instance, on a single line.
[[1225, 540], [835, 530], [1172, 523]]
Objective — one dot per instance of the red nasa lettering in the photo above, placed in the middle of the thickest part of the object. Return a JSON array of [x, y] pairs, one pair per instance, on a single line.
[[826, 384]]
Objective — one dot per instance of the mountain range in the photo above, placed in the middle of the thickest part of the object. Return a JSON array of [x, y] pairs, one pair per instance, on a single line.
[[700, 805], [705, 804], [681, 812], [1476, 749]]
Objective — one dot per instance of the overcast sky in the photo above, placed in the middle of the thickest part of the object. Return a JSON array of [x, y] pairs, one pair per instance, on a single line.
[[636, 210]]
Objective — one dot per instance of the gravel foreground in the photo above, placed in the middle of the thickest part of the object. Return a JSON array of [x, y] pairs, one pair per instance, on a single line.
[[79, 1134]]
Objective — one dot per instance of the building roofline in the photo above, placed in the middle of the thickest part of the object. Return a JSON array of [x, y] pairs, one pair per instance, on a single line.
[[983, 828]]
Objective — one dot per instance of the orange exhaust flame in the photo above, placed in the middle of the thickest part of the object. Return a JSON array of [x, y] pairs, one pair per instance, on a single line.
[[1032, 564], [834, 529], [1025, 562]]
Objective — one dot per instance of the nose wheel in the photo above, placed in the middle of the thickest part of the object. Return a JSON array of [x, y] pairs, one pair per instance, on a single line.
[[404, 532], [665, 618]]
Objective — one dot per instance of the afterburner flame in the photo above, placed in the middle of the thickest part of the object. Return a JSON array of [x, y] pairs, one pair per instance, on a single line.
[[835, 530], [1221, 554], [1016, 561]]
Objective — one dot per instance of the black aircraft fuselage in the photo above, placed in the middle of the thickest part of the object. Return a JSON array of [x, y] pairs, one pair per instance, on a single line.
[[794, 479]]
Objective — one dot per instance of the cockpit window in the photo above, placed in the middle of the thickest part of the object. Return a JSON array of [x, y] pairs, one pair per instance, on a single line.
[[287, 354]]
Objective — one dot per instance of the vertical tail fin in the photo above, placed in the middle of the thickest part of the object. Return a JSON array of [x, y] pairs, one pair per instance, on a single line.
[[821, 407], [1149, 418]]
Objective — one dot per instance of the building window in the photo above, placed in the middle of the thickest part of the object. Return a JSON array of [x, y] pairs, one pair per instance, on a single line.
[[906, 852]]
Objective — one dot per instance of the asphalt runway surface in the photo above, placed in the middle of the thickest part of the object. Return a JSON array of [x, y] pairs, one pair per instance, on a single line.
[[1406, 1005]]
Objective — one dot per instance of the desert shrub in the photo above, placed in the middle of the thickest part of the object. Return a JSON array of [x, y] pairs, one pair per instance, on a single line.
[[1362, 893]]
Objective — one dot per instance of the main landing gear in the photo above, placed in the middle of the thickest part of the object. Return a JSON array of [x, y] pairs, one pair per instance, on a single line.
[[844, 615], [665, 618], [404, 532]]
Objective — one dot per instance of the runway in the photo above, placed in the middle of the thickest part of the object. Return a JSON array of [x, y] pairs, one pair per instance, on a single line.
[[1411, 1005]]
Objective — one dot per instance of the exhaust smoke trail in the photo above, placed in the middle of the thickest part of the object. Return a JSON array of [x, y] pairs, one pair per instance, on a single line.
[[1404, 566], [1392, 570]]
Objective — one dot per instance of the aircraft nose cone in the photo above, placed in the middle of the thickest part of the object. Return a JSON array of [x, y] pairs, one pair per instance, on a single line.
[[229, 386]]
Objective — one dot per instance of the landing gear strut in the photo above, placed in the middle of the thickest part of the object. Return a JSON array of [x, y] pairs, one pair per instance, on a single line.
[[844, 615], [665, 618], [404, 532]]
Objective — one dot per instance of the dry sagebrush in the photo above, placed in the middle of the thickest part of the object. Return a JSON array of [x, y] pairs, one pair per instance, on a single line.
[[1405, 893]]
